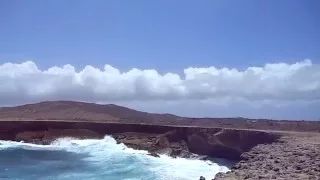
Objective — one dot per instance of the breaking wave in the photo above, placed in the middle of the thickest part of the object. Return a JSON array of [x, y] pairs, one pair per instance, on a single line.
[[94, 159]]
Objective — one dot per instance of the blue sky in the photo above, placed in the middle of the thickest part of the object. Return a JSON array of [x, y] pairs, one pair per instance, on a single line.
[[166, 35], [151, 34]]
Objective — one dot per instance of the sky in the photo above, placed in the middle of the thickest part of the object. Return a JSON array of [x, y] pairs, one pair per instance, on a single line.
[[217, 58]]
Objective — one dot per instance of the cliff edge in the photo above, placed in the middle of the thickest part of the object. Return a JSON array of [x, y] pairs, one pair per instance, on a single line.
[[173, 140]]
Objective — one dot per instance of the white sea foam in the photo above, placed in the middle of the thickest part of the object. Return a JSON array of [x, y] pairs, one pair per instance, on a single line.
[[113, 160]]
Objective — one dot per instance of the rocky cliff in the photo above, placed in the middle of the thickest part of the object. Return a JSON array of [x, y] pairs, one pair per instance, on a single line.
[[174, 140], [258, 154]]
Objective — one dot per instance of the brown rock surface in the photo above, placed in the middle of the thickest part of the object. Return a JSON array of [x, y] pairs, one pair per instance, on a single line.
[[294, 156], [150, 142]]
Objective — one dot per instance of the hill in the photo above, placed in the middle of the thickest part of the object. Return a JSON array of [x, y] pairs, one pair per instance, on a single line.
[[81, 111], [71, 110]]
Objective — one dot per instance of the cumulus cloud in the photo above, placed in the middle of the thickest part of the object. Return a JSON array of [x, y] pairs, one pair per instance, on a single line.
[[25, 82]]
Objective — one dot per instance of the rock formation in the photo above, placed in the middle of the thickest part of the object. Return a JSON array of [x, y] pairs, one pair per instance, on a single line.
[[172, 140]]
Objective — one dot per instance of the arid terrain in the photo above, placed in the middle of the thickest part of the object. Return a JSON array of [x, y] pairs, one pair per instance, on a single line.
[[261, 149], [79, 111]]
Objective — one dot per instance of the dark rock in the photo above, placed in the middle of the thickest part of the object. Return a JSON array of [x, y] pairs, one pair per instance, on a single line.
[[227, 143], [237, 166], [298, 167], [153, 154], [276, 169]]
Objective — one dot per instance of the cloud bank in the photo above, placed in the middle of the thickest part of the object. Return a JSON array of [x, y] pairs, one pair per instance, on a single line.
[[279, 82]]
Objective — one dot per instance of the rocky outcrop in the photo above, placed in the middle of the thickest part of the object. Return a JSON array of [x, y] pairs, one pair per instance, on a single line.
[[221, 143], [154, 143]]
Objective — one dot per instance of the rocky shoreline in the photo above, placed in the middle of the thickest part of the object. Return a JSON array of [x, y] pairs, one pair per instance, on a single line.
[[293, 156], [175, 140], [259, 154]]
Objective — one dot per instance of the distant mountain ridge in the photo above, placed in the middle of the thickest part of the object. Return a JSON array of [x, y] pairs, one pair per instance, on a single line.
[[83, 111], [72, 110]]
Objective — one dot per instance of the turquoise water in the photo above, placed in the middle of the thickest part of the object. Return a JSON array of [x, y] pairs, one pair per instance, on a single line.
[[67, 159]]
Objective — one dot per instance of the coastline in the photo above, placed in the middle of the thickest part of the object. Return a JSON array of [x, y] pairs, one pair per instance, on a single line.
[[180, 140], [250, 149], [260, 148]]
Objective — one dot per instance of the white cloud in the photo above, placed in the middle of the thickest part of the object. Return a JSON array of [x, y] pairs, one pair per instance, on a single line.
[[25, 82]]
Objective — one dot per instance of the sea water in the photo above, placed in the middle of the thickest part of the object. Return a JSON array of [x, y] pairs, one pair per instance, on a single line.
[[92, 159]]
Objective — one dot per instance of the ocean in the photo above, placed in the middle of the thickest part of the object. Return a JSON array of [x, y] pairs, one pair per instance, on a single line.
[[92, 159]]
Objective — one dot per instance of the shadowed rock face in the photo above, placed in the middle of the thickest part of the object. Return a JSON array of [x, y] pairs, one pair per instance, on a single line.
[[227, 143], [176, 141]]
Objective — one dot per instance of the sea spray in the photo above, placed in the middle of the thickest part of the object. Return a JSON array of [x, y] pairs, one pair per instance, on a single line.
[[96, 159]]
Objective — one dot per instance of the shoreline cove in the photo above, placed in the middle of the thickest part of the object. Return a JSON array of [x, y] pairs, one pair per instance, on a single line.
[[178, 142], [108, 155]]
